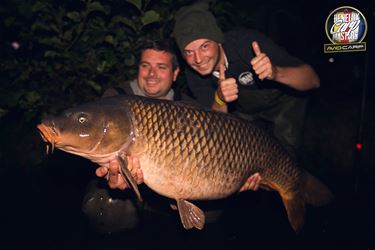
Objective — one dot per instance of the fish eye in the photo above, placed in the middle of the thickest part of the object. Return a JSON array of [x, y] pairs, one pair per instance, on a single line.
[[82, 119]]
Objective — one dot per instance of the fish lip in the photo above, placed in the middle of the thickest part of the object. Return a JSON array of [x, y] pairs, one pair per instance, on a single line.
[[47, 132], [49, 135], [41, 128]]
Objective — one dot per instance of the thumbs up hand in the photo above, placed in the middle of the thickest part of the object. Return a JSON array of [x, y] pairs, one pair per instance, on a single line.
[[262, 64], [227, 89]]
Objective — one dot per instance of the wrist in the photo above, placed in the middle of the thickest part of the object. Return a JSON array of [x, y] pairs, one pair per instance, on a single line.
[[218, 100], [273, 74]]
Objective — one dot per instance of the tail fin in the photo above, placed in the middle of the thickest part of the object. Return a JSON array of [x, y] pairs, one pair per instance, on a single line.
[[295, 208], [315, 192]]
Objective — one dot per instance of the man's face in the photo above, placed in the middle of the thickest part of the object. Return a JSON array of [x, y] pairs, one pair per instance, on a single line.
[[155, 73], [203, 55]]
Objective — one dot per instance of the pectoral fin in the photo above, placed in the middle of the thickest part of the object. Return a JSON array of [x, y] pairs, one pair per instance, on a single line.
[[191, 215], [128, 177]]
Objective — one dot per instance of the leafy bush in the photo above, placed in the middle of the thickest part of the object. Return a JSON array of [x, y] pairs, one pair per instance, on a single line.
[[60, 53]]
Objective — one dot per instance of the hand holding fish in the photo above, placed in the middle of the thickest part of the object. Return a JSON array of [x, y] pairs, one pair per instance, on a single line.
[[112, 173], [252, 183]]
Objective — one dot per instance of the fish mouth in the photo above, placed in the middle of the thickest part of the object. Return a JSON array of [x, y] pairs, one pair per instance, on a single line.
[[49, 135]]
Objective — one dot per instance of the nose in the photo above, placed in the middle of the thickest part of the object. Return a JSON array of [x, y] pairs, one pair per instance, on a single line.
[[151, 71], [197, 57]]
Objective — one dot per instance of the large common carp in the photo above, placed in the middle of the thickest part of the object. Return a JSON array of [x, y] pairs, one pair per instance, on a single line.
[[186, 153]]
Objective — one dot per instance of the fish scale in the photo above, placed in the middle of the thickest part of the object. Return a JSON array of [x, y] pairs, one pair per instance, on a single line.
[[227, 164], [186, 152]]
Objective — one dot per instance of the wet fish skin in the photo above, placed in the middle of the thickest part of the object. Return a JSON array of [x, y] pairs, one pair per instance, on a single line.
[[186, 153]]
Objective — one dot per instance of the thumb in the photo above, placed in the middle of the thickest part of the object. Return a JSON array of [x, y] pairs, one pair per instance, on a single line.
[[101, 171], [256, 48], [222, 72]]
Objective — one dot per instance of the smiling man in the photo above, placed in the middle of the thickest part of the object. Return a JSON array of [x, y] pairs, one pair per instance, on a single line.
[[156, 74], [157, 70], [245, 73]]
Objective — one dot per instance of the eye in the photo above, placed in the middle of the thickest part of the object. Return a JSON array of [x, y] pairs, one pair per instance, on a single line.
[[188, 52], [205, 46], [143, 65], [82, 119]]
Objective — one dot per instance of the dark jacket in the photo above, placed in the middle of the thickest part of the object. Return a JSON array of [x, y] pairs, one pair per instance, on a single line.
[[272, 104]]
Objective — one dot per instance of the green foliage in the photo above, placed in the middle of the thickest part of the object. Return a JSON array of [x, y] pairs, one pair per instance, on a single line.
[[71, 51]]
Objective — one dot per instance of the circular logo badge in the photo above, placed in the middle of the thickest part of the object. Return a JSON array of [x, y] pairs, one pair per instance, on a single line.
[[346, 25], [246, 78]]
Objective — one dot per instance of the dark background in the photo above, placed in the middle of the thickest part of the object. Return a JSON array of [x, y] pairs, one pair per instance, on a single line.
[[41, 204]]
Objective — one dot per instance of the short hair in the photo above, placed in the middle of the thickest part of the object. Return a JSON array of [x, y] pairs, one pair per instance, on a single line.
[[158, 45]]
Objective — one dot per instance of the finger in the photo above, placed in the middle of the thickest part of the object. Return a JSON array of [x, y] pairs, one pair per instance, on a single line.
[[260, 61], [262, 71], [130, 163], [135, 163], [113, 167], [257, 179], [228, 90], [139, 176], [138, 172], [117, 182], [252, 186], [257, 60], [222, 72], [252, 183], [256, 48], [101, 171], [113, 179], [263, 67]]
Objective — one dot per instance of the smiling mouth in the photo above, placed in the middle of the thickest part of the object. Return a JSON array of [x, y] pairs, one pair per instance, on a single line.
[[202, 66], [152, 81], [203, 69]]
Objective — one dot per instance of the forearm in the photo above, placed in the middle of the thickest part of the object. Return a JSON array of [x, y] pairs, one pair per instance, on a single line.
[[301, 78]]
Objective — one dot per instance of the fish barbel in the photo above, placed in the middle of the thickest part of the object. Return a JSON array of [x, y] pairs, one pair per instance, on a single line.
[[186, 153]]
